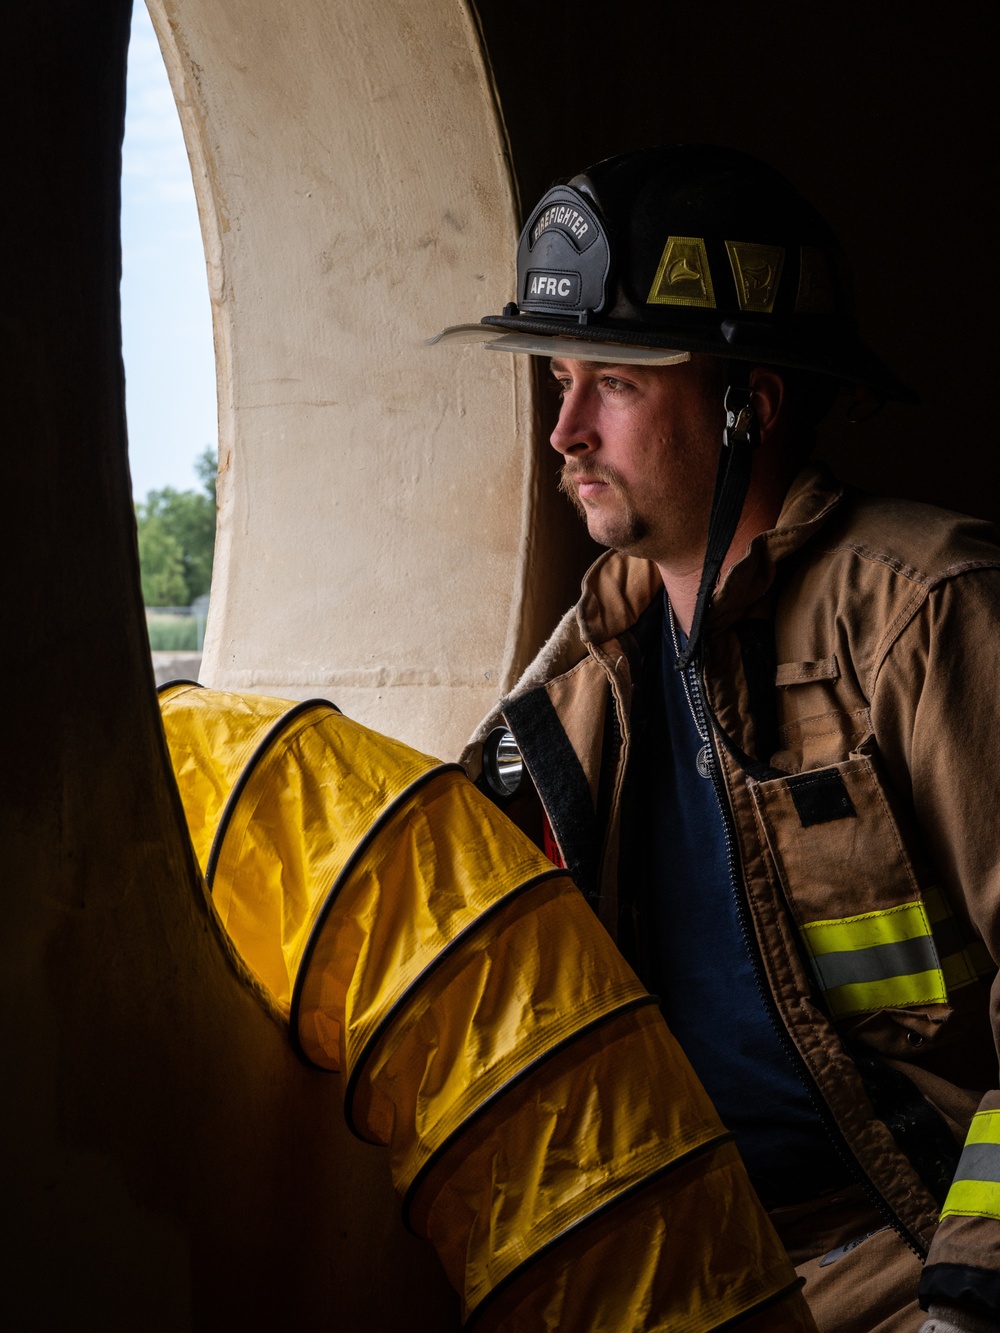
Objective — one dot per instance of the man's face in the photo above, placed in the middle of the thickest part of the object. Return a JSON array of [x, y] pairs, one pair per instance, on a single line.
[[641, 445]]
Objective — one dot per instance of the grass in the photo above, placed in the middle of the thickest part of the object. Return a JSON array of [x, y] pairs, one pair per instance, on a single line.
[[172, 634]]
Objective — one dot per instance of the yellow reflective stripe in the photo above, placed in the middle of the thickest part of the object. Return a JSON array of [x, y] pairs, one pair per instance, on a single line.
[[985, 1128], [876, 960], [975, 1191], [846, 934], [973, 1198], [889, 993]]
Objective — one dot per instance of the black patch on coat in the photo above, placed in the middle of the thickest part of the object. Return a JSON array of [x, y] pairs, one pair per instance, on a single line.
[[821, 797]]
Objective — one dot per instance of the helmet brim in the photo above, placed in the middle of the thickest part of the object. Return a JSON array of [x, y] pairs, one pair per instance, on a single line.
[[847, 359], [563, 345]]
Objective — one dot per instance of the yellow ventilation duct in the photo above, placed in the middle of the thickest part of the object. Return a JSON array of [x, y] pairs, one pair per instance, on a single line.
[[545, 1131]]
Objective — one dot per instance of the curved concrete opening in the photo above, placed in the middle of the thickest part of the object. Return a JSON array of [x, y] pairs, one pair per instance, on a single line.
[[354, 191]]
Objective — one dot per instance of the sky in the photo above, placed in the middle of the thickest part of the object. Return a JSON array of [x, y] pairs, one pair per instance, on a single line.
[[166, 315]]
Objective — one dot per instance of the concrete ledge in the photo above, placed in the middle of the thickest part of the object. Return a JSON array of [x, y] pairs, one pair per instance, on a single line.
[[176, 666]]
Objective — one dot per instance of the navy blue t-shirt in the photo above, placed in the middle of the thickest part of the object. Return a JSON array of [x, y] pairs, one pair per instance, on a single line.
[[700, 958]]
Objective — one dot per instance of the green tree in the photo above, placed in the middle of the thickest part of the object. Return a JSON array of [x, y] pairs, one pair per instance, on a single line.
[[206, 467], [177, 539], [161, 565]]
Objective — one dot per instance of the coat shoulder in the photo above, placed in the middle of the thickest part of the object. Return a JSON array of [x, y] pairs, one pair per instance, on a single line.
[[918, 542]]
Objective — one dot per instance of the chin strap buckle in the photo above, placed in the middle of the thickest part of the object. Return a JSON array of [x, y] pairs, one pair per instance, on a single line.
[[741, 419]]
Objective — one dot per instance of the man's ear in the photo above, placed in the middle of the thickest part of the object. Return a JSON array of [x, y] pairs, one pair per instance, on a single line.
[[767, 393]]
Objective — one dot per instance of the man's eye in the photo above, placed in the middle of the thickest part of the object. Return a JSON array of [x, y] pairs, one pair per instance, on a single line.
[[614, 385], [560, 387]]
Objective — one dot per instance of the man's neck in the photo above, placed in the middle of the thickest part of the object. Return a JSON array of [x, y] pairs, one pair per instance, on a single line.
[[760, 514]]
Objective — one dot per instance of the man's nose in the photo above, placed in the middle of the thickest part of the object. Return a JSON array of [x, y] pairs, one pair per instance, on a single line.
[[575, 431]]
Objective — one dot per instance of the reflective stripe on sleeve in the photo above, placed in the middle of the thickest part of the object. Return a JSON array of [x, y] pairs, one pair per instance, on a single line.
[[876, 960], [975, 1191]]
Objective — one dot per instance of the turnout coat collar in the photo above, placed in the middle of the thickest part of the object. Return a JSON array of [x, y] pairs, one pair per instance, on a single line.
[[617, 588]]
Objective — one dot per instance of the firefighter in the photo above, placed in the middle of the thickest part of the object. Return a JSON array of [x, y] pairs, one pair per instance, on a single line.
[[762, 740]]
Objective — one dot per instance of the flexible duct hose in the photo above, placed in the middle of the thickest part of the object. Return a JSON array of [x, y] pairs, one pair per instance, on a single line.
[[545, 1131]]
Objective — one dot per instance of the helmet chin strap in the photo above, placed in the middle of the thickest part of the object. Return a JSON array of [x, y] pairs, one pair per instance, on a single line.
[[732, 480]]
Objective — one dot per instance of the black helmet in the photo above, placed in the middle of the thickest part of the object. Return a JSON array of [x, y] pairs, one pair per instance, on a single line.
[[684, 249], [650, 256]]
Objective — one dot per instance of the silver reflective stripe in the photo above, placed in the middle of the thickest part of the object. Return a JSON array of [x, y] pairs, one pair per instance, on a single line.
[[979, 1161], [876, 963]]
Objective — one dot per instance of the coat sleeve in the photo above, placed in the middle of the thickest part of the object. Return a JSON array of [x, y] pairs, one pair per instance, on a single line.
[[936, 714]]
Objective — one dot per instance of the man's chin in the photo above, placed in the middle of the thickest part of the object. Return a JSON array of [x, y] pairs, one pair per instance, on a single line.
[[625, 535], [620, 531]]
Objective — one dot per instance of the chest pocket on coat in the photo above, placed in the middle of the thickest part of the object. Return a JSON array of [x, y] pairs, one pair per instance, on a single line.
[[822, 717], [867, 919]]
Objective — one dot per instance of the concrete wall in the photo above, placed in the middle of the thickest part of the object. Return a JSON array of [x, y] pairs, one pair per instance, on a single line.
[[355, 195]]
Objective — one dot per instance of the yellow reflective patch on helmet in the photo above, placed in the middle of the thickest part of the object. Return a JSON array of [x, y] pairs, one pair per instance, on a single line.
[[815, 292], [757, 272], [683, 276]]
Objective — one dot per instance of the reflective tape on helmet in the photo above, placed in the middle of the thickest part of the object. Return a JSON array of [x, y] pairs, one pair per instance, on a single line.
[[877, 960], [975, 1191]]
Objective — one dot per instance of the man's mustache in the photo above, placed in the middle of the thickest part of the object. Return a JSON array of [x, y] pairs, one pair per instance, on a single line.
[[573, 473]]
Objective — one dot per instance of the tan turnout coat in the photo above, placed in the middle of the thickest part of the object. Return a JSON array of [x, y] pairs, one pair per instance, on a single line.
[[875, 835]]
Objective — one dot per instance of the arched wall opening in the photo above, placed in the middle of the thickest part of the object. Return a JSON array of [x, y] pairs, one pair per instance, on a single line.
[[169, 358], [354, 190]]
